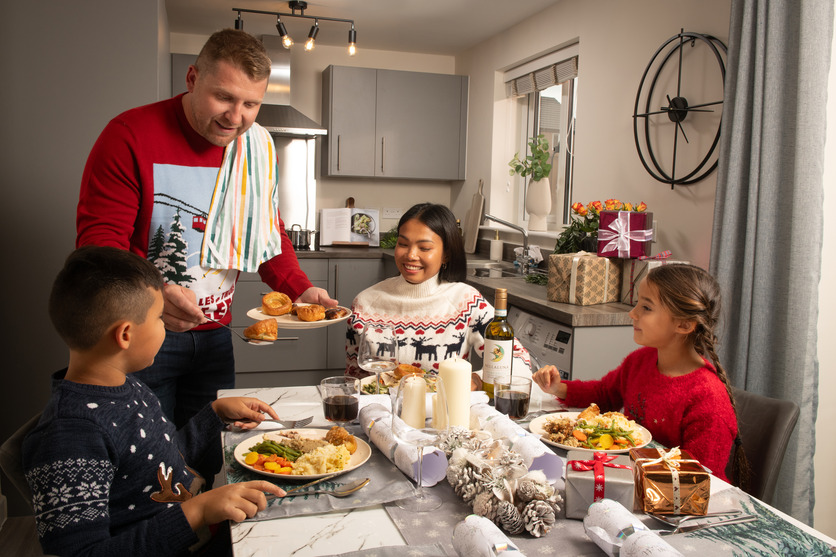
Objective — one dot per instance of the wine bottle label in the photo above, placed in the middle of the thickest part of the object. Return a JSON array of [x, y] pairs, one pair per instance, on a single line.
[[500, 312], [497, 359]]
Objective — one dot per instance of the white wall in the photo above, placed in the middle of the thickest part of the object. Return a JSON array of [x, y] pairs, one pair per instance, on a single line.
[[617, 40]]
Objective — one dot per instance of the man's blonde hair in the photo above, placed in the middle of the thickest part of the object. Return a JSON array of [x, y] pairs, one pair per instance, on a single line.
[[238, 48]]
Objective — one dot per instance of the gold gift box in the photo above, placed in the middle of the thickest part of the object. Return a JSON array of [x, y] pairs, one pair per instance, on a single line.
[[658, 472], [583, 279]]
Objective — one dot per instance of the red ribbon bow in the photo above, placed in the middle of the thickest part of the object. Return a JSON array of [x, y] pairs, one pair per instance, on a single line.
[[597, 466], [661, 255]]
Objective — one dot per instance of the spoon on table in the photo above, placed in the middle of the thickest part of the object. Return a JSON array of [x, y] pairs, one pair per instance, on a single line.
[[239, 335], [342, 491]]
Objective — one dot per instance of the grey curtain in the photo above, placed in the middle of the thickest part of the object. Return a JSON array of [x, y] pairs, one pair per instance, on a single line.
[[767, 236]]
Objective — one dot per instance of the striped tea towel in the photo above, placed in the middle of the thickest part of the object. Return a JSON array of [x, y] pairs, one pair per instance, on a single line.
[[242, 229]]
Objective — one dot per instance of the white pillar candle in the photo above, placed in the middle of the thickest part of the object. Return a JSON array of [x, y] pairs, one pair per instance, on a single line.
[[455, 376], [414, 411]]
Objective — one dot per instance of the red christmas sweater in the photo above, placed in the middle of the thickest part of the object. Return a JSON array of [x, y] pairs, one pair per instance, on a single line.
[[147, 187], [691, 411]]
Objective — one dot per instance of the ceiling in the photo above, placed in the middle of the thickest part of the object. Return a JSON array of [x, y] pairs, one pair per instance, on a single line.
[[421, 26]]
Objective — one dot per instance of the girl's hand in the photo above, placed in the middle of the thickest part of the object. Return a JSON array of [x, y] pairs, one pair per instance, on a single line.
[[243, 408], [548, 379], [229, 502]]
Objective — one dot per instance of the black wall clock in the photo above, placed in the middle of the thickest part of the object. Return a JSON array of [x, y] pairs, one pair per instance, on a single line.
[[679, 105]]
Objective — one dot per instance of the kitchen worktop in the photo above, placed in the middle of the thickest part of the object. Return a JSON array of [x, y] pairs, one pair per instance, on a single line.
[[521, 294]]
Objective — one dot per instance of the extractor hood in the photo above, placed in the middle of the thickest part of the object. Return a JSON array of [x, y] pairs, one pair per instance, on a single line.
[[276, 114]]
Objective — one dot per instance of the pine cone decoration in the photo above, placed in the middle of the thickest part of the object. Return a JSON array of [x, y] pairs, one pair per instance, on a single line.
[[466, 483], [509, 518], [528, 490], [538, 516], [486, 504]]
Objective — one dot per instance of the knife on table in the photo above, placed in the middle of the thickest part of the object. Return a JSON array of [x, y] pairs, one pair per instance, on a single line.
[[729, 522]]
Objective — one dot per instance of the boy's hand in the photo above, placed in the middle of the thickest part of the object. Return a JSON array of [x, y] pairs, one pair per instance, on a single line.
[[231, 409], [181, 312], [548, 379], [229, 502]]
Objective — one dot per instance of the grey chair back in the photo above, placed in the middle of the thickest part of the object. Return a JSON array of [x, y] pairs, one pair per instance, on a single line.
[[766, 425], [11, 458]]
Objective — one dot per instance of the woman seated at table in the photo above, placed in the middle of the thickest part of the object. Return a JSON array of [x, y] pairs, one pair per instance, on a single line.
[[436, 315]]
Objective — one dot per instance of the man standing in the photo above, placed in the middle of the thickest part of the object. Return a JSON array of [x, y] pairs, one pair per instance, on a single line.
[[190, 183]]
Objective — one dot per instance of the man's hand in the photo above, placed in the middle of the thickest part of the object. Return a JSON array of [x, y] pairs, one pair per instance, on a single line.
[[314, 295], [242, 408], [181, 311]]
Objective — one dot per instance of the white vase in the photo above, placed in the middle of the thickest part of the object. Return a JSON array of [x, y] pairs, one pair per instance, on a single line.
[[538, 203]]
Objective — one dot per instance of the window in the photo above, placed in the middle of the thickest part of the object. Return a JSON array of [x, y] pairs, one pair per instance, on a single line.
[[545, 100]]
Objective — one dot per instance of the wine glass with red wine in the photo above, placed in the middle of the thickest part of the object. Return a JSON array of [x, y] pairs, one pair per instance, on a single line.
[[340, 399]]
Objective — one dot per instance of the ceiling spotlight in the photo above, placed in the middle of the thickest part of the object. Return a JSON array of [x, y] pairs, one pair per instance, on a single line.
[[239, 23], [309, 44], [287, 42], [352, 41]]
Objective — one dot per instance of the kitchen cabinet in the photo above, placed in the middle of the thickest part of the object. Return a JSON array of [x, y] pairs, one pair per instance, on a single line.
[[300, 356], [394, 124]]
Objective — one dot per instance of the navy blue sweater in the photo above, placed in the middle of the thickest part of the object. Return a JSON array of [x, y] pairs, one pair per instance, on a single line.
[[108, 471]]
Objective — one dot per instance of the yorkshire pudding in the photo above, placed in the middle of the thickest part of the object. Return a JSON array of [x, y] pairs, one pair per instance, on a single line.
[[276, 303]]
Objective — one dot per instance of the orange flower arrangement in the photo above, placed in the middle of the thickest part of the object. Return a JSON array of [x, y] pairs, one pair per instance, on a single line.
[[580, 229]]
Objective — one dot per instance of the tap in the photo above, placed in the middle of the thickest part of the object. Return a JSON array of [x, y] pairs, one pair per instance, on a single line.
[[524, 259]]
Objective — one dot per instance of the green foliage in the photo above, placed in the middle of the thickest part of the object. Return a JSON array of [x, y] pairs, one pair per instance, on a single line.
[[535, 165], [570, 240], [388, 240]]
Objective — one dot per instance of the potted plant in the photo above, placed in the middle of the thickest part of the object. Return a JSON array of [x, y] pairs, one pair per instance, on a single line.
[[581, 234], [538, 201]]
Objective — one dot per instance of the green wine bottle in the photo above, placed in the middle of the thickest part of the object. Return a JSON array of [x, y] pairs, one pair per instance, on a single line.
[[499, 343]]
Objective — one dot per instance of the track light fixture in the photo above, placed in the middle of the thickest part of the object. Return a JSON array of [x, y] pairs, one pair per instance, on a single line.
[[309, 44], [287, 42], [352, 41], [300, 6]]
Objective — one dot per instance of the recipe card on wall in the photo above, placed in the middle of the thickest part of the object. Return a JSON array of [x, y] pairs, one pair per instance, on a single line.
[[355, 227]]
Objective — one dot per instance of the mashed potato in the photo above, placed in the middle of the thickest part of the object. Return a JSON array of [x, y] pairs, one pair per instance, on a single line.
[[322, 460]]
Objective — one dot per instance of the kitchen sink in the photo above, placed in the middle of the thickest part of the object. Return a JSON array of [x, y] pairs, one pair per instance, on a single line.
[[492, 269]]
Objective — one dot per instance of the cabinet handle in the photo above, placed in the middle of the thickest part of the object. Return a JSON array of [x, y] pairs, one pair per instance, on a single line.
[[338, 152], [382, 153], [287, 338], [337, 281]]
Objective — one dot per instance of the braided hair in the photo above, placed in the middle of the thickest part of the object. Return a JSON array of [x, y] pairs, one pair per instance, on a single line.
[[692, 294]]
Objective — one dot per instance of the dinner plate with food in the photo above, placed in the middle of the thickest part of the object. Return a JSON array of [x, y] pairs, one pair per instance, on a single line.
[[590, 430], [302, 454], [289, 315], [390, 379]]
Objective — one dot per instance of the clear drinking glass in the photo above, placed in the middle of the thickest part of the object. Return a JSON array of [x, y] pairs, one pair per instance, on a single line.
[[340, 399], [410, 426], [378, 350]]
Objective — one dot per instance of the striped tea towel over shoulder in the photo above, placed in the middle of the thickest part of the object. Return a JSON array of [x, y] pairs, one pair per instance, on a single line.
[[242, 229]]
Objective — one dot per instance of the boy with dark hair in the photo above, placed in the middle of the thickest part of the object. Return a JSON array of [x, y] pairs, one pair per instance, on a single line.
[[109, 472]]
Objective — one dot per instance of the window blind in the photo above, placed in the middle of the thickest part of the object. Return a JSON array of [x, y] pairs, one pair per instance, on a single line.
[[543, 78]]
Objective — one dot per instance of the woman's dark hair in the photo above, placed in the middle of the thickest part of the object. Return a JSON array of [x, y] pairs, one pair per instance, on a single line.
[[692, 294], [441, 221]]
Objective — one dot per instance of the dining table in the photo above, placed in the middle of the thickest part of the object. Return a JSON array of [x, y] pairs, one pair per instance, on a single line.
[[369, 522]]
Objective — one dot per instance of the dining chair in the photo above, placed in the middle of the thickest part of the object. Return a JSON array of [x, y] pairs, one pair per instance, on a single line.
[[766, 425], [11, 458]]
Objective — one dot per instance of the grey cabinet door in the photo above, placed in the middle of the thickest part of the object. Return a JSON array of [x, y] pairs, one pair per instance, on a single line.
[[394, 124], [347, 278], [421, 125], [349, 114]]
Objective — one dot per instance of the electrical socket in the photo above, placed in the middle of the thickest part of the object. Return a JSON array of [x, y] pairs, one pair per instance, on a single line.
[[392, 213]]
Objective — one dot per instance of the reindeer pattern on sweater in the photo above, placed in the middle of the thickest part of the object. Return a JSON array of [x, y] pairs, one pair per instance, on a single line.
[[433, 321]]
